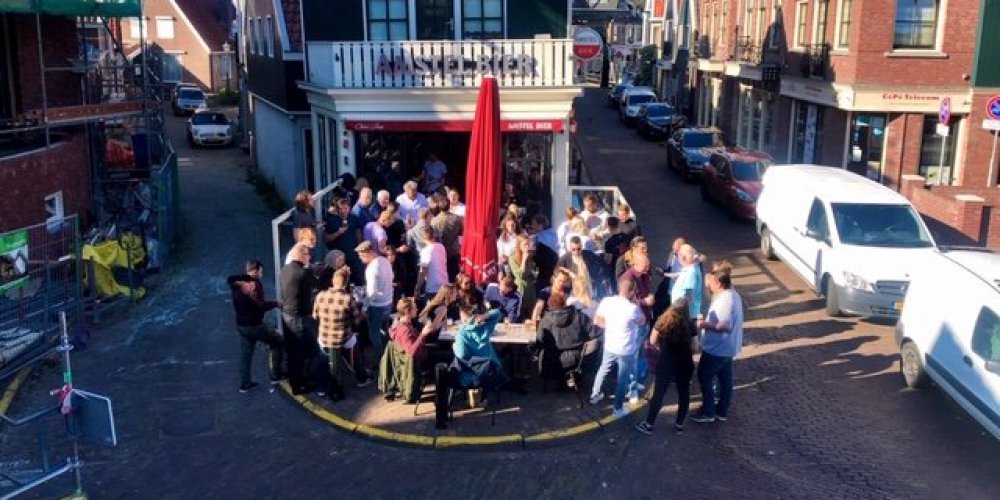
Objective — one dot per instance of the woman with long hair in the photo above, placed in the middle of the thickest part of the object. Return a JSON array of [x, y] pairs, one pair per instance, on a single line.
[[524, 270], [510, 229], [582, 296], [673, 333], [436, 310]]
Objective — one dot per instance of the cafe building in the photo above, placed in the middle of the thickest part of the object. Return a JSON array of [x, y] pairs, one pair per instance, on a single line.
[[391, 82]]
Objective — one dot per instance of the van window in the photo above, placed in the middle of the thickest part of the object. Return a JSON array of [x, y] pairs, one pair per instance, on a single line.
[[878, 225], [817, 222], [986, 337]]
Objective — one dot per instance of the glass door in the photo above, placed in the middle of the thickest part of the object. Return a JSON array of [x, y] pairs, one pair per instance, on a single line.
[[435, 19], [867, 138]]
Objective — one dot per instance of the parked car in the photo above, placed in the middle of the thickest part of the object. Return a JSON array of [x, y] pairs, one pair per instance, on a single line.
[[209, 128], [732, 178], [656, 120], [188, 100], [688, 149], [854, 241], [615, 94], [949, 331], [632, 99]]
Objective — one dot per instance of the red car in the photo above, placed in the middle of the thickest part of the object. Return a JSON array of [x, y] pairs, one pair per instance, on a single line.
[[732, 178]]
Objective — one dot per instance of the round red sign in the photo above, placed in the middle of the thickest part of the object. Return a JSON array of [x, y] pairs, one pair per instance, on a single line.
[[587, 43]]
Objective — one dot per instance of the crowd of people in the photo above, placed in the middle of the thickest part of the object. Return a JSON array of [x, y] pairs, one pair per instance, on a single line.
[[371, 288]]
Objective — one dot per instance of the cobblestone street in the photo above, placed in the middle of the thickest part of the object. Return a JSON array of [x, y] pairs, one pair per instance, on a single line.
[[819, 409]]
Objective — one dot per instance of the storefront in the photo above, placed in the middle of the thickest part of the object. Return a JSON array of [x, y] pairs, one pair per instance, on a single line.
[[382, 122]]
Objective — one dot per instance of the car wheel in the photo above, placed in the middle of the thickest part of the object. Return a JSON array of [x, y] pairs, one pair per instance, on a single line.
[[911, 365], [832, 298], [766, 245]]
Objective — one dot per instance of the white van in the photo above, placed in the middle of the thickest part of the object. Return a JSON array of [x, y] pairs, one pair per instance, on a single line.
[[632, 101], [950, 330], [854, 241]]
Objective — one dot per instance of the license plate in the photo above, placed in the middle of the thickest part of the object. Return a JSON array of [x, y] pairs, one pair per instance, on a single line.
[[898, 306]]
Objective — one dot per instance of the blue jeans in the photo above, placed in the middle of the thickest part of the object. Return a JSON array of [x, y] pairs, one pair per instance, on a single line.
[[377, 314], [626, 370], [709, 368], [641, 372]]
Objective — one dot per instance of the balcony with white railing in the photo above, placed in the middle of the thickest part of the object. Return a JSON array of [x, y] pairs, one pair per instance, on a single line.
[[441, 64]]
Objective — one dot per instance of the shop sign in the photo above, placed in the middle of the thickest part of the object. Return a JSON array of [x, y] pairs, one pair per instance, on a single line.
[[452, 126], [587, 43], [13, 260], [457, 65]]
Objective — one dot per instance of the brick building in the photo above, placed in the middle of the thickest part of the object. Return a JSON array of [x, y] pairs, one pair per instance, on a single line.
[[855, 84]]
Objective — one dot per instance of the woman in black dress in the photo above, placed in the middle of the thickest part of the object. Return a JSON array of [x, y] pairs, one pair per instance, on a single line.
[[673, 333]]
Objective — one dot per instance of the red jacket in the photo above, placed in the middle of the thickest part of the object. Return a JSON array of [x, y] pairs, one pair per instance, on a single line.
[[248, 300]]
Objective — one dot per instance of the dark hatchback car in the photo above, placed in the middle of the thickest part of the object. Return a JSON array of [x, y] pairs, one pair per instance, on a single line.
[[657, 120], [688, 150], [732, 178]]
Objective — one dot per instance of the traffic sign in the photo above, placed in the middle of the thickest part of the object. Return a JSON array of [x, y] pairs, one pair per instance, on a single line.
[[990, 124], [587, 43], [993, 107], [944, 115], [943, 130]]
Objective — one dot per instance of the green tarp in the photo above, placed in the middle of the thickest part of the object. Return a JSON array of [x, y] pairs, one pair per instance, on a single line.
[[102, 8]]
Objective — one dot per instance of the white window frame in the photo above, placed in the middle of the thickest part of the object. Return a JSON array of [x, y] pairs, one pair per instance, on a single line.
[[759, 27], [135, 32], [269, 35], [55, 207], [161, 23], [939, 27], [260, 36], [801, 10], [722, 24], [411, 21], [748, 12], [817, 37], [251, 37], [838, 43]]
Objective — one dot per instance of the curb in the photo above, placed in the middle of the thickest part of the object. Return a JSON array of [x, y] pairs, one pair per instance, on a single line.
[[509, 442], [12, 388]]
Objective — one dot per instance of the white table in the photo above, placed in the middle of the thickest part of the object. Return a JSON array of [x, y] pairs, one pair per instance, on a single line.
[[505, 333]]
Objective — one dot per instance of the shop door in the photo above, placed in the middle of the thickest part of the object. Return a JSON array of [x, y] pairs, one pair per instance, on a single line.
[[867, 138], [435, 19]]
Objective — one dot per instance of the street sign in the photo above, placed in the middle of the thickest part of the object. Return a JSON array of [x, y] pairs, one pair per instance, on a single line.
[[942, 129], [993, 107], [993, 125], [944, 115], [587, 43]]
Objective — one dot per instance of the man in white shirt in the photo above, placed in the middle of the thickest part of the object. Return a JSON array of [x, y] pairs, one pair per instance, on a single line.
[[621, 320], [721, 341], [455, 203], [434, 174], [433, 265], [410, 203], [378, 293], [593, 215]]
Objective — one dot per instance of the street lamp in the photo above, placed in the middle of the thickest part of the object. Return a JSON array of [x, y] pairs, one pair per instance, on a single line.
[[228, 62]]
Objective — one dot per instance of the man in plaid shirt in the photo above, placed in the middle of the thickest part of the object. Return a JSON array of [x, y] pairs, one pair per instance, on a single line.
[[338, 313]]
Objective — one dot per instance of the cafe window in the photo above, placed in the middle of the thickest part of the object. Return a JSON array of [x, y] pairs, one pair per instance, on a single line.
[[930, 151], [482, 19], [388, 20], [844, 24], [916, 24]]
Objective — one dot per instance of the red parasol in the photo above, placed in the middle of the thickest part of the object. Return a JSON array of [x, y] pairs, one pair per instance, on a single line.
[[482, 188]]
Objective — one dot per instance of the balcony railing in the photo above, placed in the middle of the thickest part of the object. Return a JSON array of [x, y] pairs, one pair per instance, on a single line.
[[441, 64], [748, 52], [703, 47], [815, 60]]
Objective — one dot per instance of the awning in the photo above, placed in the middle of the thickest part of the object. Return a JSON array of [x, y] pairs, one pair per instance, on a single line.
[[451, 126], [102, 8]]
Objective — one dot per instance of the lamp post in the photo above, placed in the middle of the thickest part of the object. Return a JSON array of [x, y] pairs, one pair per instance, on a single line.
[[228, 62]]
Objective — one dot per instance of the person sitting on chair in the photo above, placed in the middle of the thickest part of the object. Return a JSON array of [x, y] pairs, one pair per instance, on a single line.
[[476, 363], [406, 357], [560, 337], [505, 297]]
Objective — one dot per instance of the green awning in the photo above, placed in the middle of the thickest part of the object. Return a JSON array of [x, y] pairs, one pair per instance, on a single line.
[[103, 8]]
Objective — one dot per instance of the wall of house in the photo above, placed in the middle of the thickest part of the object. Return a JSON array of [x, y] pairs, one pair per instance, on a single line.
[[537, 17], [278, 147], [186, 43], [28, 178], [59, 47]]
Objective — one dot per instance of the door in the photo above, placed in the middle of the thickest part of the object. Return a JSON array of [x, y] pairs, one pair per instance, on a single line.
[[867, 137], [307, 154], [809, 242], [723, 175], [435, 19]]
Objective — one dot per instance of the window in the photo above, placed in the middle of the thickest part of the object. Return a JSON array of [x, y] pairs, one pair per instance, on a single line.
[[54, 210], [916, 24], [482, 19], [269, 36], [879, 225], [722, 24], [388, 20], [748, 19], [986, 336], [173, 68], [137, 30], [761, 33], [931, 158], [251, 37], [817, 223], [260, 37], [801, 9], [819, 23], [844, 25], [164, 28]]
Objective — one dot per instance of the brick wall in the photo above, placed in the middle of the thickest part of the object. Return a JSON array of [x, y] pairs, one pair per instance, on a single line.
[[972, 212], [28, 178], [185, 43], [59, 47]]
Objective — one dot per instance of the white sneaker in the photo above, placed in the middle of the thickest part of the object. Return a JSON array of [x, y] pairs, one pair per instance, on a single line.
[[597, 399], [620, 412]]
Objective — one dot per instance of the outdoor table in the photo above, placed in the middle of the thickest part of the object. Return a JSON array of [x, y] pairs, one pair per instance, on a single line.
[[505, 333]]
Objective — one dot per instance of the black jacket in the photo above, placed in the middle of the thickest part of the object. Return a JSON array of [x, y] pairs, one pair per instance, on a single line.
[[248, 300], [561, 335], [297, 285]]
